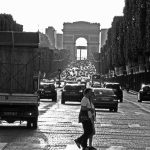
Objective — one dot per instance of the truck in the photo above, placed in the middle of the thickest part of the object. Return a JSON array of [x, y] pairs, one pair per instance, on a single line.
[[19, 77]]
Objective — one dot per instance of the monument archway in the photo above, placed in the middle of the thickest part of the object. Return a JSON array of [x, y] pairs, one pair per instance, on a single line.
[[81, 29], [81, 46]]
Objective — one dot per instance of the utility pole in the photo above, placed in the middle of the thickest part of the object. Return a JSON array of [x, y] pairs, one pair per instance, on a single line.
[[59, 72]]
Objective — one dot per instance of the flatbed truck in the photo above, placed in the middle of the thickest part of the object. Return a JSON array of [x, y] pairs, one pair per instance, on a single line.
[[19, 77]]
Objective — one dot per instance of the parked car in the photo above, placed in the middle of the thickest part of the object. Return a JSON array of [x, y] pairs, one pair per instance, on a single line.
[[117, 89], [105, 98], [72, 92], [144, 93], [47, 90]]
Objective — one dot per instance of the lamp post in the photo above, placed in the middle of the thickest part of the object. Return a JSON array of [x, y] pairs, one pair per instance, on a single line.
[[59, 72]]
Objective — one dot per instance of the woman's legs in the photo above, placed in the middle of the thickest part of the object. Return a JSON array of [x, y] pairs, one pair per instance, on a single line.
[[88, 129], [90, 140], [91, 136]]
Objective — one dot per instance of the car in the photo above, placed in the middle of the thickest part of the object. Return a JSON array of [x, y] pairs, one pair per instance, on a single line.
[[105, 98], [117, 89], [144, 93], [71, 92], [48, 90], [96, 85]]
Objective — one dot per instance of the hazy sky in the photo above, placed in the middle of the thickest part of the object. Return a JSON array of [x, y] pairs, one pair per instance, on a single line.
[[39, 14]]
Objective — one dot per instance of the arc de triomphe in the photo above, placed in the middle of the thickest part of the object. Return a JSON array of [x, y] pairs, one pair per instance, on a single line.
[[81, 29]]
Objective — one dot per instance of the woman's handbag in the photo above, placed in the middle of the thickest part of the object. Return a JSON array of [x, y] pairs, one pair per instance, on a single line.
[[83, 115]]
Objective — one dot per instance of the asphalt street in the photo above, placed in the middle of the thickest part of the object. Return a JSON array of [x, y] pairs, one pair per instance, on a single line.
[[58, 126]]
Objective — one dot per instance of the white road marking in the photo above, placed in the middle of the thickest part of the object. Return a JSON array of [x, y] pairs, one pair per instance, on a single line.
[[72, 147], [105, 124], [134, 125], [139, 113]]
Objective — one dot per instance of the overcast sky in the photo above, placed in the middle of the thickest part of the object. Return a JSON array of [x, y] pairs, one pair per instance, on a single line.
[[39, 14]]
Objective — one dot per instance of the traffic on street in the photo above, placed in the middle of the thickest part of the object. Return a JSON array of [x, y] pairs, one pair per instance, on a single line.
[[127, 129], [86, 87]]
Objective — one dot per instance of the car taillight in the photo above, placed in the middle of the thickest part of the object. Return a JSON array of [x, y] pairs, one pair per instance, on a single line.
[[81, 91]]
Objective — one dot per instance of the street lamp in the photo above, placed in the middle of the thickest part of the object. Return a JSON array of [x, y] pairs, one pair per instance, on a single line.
[[59, 72]]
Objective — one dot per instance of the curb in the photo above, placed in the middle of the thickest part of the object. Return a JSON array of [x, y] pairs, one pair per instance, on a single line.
[[137, 104]]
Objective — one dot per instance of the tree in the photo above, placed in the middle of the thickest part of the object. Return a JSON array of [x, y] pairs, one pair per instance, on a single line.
[[8, 24]]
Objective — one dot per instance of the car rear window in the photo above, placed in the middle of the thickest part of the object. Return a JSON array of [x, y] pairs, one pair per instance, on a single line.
[[47, 86], [103, 92], [68, 87], [113, 86]]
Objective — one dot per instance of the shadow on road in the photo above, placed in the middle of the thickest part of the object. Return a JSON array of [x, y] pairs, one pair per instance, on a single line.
[[73, 104]]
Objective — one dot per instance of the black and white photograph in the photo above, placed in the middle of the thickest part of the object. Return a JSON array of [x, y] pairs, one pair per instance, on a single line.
[[74, 75]]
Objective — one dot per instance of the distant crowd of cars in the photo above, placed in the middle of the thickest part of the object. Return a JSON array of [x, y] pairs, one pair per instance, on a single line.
[[107, 95]]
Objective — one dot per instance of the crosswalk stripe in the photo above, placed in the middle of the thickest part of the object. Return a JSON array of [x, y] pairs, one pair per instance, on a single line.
[[2, 145]]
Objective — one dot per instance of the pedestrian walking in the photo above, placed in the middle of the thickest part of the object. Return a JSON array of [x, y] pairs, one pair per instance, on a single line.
[[86, 117], [92, 116]]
